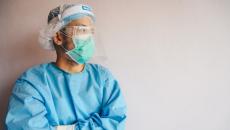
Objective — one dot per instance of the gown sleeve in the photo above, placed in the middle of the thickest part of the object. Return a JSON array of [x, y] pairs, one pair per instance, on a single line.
[[113, 113], [26, 109]]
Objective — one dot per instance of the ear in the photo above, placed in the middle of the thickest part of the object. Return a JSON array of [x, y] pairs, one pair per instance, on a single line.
[[58, 39]]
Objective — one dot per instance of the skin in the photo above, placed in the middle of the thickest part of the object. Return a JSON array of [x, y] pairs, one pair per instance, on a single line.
[[63, 61]]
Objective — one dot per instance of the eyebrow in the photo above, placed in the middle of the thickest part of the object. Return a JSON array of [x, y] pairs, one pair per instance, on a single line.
[[80, 25]]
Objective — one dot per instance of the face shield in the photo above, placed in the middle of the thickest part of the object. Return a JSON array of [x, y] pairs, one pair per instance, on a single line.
[[60, 17]]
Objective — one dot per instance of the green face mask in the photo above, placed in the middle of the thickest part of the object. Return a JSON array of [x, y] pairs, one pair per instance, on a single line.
[[83, 49]]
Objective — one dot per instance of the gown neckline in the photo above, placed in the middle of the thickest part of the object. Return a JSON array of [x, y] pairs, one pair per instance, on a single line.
[[76, 73]]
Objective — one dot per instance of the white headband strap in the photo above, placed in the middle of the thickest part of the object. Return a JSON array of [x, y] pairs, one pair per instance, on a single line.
[[79, 9]]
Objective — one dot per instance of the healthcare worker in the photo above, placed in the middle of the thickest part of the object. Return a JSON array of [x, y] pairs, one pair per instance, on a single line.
[[69, 94]]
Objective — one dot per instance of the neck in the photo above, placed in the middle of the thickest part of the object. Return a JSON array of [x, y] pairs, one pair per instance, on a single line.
[[69, 65]]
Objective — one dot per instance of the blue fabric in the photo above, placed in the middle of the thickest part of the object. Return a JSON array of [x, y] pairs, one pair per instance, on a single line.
[[70, 18], [45, 96]]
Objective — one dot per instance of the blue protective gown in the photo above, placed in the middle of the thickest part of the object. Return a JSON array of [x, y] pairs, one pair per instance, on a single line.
[[45, 96]]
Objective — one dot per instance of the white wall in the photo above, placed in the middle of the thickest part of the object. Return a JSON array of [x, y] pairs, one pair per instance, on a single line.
[[172, 57]]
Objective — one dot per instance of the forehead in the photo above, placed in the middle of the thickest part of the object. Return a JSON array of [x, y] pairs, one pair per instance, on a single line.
[[84, 21]]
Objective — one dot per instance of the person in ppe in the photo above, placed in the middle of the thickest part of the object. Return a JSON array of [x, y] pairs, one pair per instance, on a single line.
[[69, 94]]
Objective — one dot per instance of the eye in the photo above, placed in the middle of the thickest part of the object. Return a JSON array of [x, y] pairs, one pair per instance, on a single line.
[[84, 30]]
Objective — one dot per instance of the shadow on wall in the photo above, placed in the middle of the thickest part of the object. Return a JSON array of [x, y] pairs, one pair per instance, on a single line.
[[18, 56]]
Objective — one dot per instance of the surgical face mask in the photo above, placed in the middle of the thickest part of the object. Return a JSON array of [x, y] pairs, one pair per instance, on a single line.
[[83, 50]]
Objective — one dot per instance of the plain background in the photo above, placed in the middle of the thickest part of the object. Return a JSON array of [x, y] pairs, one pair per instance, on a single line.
[[172, 57]]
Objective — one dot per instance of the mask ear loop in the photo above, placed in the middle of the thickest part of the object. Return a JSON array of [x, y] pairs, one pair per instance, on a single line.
[[66, 50], [74, 32]]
